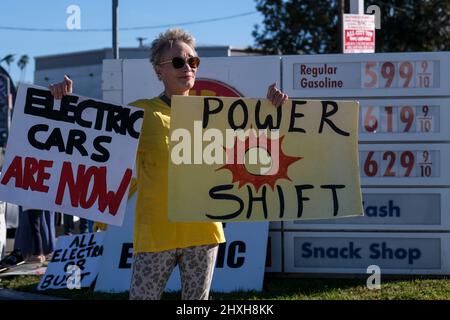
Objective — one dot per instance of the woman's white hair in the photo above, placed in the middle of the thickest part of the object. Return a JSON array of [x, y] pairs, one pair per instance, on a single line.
[[166, 40]]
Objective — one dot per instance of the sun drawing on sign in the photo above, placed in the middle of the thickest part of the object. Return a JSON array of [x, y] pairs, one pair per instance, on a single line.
[[239, 168]]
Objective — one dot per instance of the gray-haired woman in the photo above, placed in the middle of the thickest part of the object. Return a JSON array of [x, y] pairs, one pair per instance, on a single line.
[[159, 244]]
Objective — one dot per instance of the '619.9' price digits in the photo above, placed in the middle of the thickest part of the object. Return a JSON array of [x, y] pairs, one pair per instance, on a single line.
[[399, 119]]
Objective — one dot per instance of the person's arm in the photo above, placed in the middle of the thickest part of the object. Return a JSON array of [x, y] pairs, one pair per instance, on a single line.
[[60, 89], [276, 96]]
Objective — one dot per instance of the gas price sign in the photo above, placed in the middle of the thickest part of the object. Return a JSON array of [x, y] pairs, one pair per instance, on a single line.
[[404, 120], [366, 75], [397, 164]]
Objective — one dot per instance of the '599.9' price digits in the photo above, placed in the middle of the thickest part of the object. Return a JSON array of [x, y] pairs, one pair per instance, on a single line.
[[400, 74]]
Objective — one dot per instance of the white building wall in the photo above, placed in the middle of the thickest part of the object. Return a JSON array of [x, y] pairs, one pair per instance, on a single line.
[[87, 79]]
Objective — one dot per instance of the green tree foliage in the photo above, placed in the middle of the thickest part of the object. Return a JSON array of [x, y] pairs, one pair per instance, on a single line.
[[297, 26], [311, 26], [413, 25]]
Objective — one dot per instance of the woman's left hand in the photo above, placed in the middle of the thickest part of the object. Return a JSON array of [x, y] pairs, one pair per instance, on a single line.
[[276, 96]]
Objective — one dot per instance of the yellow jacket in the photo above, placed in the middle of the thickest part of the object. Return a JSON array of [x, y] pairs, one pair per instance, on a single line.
[[153, 231]]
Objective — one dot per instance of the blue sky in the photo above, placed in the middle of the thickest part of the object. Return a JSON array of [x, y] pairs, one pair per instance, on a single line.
[[51, 14]]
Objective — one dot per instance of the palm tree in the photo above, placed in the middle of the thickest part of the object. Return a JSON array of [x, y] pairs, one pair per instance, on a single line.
[[22, 64], [8, 59]]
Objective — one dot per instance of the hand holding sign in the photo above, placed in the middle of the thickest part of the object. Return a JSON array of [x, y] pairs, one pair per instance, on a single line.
[[61, 89], [276, 96]]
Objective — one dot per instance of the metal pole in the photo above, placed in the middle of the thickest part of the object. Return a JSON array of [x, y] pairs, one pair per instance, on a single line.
[[115, 28], [341, 11], [141, 41], [357, 6]]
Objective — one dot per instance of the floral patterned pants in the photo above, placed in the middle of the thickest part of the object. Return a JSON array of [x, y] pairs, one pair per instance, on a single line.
[[151, 271]]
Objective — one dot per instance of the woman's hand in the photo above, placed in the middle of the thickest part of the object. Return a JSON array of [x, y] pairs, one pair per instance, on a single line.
[[60, 89], [276, 96]]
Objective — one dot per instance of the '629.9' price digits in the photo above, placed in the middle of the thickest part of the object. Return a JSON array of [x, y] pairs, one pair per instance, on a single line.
[[404, 163], [399, 119], [400, 74]]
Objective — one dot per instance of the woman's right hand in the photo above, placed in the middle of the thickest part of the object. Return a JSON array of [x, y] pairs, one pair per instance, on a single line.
[[60, 89]]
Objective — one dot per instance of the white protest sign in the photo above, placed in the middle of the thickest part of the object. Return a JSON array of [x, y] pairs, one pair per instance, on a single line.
[[115, 269], [73, 155], [239, 265], [75, 262]]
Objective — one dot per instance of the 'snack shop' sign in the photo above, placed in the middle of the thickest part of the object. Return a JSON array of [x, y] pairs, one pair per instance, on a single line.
[[234, 159], [73, 155]]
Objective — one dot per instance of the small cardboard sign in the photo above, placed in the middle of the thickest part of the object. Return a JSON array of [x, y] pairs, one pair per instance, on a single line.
[[75, 262]]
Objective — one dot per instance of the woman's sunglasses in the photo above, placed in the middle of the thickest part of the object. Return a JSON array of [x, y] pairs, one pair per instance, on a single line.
[[179, 62]]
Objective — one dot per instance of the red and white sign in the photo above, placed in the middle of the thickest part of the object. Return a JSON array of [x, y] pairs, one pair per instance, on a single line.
[[359, 33]]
